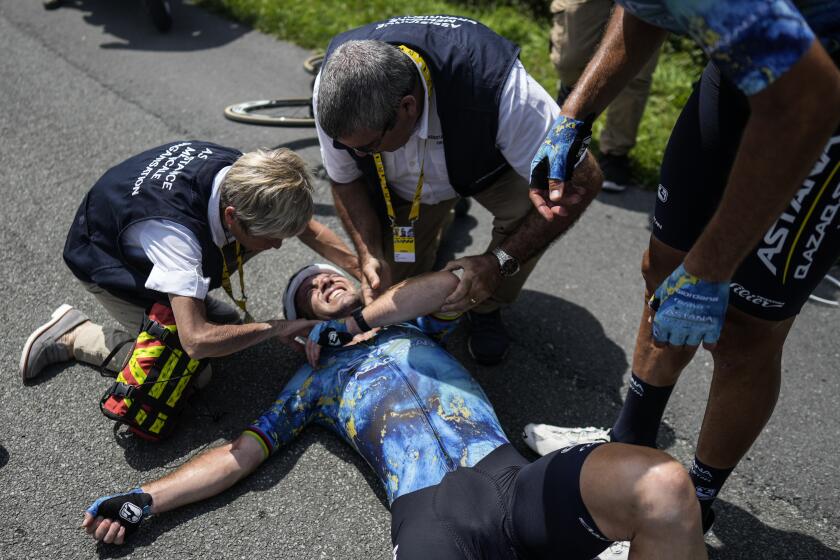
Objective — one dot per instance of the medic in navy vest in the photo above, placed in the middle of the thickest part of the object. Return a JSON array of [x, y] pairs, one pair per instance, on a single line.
[[469, 64], [171, 182]]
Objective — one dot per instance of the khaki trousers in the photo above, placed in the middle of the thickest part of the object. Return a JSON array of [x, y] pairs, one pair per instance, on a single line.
[[506, 199], [94, 342], [577, 28]]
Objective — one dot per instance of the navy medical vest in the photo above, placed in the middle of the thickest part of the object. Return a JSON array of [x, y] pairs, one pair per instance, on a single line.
[[469, 64], [170, 182]]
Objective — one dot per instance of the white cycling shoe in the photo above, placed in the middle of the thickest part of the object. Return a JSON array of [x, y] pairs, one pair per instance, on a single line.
[[545, 438], [617, 551]]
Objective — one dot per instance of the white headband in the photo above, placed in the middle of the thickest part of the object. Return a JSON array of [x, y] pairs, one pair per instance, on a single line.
[[289, 310]]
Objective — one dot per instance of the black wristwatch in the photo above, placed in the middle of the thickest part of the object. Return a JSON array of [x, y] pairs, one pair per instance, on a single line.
[[360, 320], [508, 265]]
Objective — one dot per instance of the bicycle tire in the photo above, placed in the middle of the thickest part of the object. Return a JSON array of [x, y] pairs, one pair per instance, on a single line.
[[245, 112], [313, 63]]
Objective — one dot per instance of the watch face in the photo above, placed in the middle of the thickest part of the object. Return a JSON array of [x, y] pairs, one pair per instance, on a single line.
[[510, 267]]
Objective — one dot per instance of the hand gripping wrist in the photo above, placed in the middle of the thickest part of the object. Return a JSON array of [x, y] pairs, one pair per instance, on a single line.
[[689, 310], [330, 333], [563, 149], [129, 509]]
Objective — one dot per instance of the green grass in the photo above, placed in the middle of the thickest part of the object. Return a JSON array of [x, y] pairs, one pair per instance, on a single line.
[[313, 23]]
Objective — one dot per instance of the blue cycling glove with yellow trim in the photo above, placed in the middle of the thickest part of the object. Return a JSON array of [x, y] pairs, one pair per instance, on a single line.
[[330, 333], [440, 325], [689, 310], [563, 149], [129, 508]]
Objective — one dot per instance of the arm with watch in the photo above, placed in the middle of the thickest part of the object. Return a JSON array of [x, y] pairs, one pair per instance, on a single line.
[[412, 298], [482, 274]]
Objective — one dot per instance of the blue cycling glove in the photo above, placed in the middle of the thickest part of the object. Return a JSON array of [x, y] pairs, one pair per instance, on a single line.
[[129, 508], [689, 310], [563, 149], [439, 325], [330, 333]]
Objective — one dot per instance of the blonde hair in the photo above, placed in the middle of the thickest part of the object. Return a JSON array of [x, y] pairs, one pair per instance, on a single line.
[[271, 193]]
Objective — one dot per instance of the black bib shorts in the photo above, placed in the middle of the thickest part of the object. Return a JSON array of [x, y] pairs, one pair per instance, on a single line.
[[503, 508], [777, 277]]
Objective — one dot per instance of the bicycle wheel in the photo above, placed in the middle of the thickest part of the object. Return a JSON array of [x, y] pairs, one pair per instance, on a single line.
[[313, 63], [287, 112]]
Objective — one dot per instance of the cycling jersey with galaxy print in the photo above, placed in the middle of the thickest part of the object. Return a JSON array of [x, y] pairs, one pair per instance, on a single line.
[[753, 42], [404, 403]]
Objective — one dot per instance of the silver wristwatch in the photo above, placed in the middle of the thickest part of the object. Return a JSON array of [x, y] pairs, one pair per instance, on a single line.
[[508, 265]]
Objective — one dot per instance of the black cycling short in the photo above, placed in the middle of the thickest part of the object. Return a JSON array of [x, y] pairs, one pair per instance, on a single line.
[[505, 507], [774, 281]]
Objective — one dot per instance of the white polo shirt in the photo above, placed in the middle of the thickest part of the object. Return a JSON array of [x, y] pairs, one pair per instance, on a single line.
[[174, 250], [526, 112]]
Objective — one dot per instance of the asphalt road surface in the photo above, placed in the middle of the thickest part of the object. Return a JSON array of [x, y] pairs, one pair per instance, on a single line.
[[87, 85]]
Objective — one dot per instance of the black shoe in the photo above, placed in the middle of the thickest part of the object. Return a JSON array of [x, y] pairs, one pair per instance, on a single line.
[[489, 340], [462, 207], [52, 4], [616, 169], [708, 520]]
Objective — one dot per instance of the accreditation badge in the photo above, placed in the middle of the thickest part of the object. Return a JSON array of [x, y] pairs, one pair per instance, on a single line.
[[403, 244]]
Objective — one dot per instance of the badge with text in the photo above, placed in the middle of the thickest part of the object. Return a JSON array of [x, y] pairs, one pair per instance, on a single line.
[[403, 244]]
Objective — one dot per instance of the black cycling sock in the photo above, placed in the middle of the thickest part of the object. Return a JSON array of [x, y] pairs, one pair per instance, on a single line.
[[641, 414], [707, 483]]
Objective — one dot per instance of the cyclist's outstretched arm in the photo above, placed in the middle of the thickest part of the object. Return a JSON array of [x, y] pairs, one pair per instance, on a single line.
[[216, 470], [204, 476], [790, 122]]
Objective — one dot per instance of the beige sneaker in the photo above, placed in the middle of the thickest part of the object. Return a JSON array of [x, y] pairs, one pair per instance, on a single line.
[[45, 345]]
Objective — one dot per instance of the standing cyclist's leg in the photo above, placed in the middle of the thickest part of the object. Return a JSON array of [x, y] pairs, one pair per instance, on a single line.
[[693, 176], [655, 369], [744, 391], [767, 292]]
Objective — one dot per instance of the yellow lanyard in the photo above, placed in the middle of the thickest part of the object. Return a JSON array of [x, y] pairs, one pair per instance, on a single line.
[[377, 158], [241, 303]]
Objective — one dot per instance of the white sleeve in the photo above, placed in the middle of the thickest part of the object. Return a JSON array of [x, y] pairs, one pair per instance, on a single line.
[[175, 255], [340, 167], [526, 112]]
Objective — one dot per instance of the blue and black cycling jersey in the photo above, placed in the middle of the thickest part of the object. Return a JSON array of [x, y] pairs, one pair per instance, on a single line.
[[753, 42], [457, 487], [403, 402]]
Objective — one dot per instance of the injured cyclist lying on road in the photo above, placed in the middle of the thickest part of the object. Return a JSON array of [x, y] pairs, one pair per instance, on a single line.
[[456, 486]]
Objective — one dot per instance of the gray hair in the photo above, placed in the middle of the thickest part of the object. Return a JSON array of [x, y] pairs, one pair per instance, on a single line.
[[362, 83], [271, 193]]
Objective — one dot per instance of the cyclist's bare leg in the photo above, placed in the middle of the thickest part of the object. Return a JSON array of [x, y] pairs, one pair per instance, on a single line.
[[658, 366], [642, 495], [747, 369], [745, 387]]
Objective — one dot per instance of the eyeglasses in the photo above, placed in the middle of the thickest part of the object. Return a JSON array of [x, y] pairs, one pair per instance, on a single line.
[[370, 147], [373, 147]]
